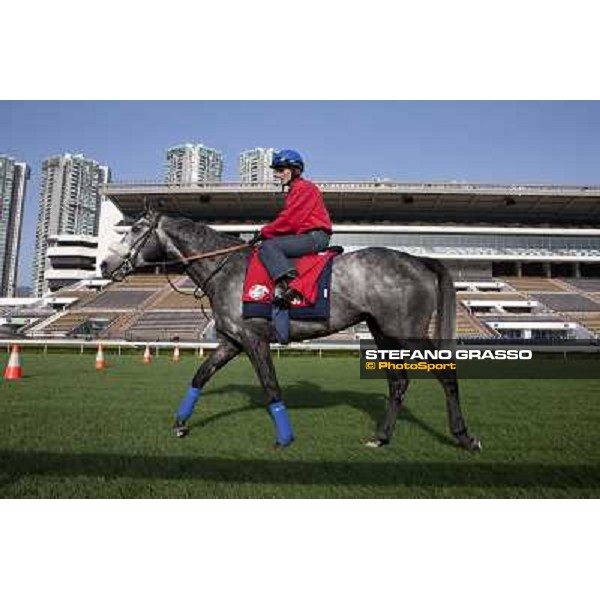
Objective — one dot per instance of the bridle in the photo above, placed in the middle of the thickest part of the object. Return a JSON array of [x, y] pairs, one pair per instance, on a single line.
[[127, 266]]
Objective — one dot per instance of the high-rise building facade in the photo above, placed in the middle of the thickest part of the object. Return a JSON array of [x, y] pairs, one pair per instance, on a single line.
[[69, 204], [255, 166], [13, 182], [192, 163]]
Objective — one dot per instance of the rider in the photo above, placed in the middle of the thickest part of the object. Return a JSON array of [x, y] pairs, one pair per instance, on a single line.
[[302, 227]]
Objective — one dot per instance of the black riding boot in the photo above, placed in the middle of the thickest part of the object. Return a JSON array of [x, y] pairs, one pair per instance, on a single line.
[[283, 295]]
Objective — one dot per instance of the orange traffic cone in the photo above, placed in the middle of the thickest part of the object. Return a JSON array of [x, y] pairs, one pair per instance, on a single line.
[[13, 368], [147, 356], [100, 362], [176, 354]]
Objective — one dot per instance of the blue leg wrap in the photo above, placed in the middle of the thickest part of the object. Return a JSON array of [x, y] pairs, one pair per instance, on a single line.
[[186, 408], [283, 428]]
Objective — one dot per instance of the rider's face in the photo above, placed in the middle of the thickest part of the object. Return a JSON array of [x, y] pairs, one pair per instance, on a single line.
[[284, 175]]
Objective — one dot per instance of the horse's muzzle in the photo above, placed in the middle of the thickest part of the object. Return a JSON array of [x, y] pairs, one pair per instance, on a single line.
[[121, 250], [115, 268]]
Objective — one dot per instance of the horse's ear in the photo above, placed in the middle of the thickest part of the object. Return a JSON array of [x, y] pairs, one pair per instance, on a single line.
[[152, 205]]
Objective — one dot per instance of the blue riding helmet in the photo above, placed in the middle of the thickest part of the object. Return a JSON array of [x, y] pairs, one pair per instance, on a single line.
[[287, 158]]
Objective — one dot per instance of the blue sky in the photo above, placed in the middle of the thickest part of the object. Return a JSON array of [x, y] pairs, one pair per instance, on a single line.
[[492, 142]]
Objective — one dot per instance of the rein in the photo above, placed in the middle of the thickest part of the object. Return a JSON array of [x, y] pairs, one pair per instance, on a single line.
[[193, 257], [199, 294]]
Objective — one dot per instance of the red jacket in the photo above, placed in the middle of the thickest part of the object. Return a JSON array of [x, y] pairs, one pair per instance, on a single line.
[[304, 210]]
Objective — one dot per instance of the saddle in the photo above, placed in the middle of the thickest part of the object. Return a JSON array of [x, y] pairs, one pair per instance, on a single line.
[[312, 285]]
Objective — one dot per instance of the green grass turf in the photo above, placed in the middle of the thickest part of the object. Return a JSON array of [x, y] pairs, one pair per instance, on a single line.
[[69, 431]]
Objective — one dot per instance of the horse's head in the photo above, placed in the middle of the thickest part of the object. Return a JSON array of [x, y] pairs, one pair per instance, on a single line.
[[137, 248]]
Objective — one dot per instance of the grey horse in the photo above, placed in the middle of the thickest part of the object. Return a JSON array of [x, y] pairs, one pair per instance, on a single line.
[[395, 293]]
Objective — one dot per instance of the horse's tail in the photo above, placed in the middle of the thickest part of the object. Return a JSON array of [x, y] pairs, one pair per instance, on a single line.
[[445, 326]]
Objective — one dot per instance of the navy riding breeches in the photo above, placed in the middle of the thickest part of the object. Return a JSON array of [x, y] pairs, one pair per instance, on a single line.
[[274, 252]]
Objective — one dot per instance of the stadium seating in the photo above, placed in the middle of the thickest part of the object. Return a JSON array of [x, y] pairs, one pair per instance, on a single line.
[[141, 280], [477, 278], [119, 299], [185, 325], [584, 285], [468, 326], [186, 283], [67, 323], [535, 284], [529, 318], [79, 294], [590, 320], [175, 300], [499, 296], [567, 302]]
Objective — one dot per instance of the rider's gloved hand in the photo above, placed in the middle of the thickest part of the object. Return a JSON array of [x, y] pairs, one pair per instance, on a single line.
[[256, 238]]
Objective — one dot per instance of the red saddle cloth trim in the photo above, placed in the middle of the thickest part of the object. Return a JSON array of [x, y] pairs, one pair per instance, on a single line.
[[258, 286]]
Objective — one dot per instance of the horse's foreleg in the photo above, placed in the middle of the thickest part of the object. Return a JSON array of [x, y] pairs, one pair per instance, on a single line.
[[259, 353], [219, 358]]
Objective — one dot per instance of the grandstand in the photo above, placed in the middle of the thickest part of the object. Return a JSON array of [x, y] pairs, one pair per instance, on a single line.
[[525, 258], [144, 307]]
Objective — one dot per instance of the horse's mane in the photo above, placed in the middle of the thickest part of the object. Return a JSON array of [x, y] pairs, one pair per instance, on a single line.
[[192, 230]]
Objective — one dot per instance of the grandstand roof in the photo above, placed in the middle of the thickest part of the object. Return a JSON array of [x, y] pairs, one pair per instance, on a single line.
[[375, 201]]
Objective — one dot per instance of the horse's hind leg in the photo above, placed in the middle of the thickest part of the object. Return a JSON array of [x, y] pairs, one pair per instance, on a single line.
[[259, 352], [397, 385], [456, 421], [219, 358], [449, 381]]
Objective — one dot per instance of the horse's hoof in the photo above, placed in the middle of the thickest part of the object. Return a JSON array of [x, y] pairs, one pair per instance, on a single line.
[[472, 444], [476, 445], [281, 445], [180, 430], [376, 443]]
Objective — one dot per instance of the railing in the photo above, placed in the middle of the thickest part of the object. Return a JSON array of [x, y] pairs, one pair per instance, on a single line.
[[156, 347], [544, 345]]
